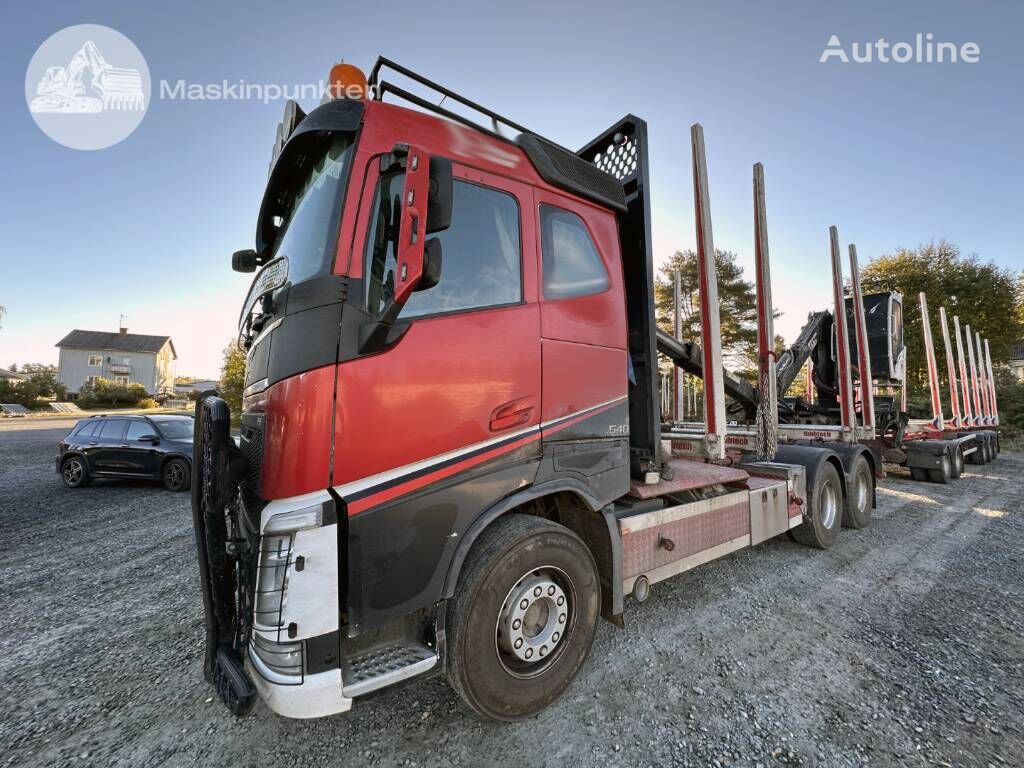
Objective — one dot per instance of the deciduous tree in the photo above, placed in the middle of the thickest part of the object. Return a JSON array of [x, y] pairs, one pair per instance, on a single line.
[[232, 378], [982, 294]]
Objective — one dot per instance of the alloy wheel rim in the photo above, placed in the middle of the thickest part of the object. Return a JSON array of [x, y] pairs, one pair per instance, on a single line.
[[73, 471], [175, 475]]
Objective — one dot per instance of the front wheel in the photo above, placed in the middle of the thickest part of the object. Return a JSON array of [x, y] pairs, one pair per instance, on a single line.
[[826, 511], [523, 617], [176, 475], [74, 472]]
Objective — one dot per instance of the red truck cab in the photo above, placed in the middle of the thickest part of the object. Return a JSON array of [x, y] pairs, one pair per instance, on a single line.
[[450, 424]]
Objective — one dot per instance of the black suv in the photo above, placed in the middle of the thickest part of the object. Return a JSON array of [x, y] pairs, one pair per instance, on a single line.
[[153, 447]]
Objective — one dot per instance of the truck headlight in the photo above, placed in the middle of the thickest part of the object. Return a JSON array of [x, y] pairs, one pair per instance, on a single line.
[[275, 556], [275, 559]]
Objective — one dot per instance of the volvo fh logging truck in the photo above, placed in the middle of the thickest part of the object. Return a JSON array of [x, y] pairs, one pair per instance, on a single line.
[[451, 456]]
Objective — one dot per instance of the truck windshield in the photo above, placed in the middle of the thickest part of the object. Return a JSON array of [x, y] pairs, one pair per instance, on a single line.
[[310, 227]]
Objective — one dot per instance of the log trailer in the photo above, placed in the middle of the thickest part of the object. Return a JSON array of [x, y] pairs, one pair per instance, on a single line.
[[451, 458], [932, 449]]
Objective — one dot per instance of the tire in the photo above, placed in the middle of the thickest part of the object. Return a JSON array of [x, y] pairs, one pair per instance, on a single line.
[[957, 466], [822, 529], [74, 471], [514, 558], [976, 456], [857, 513], [944, 473], [919, 473], [176, 475], [986, 451]]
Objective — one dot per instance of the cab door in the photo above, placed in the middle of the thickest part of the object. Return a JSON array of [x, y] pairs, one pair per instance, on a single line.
[[442, 423], [583, 320]]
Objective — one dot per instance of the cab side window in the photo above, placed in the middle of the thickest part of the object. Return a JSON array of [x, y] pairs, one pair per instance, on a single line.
[[481, 262], [572, 265]]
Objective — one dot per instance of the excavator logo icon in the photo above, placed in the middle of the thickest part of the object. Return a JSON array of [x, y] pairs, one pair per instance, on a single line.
[[61, 89], [80, 98]]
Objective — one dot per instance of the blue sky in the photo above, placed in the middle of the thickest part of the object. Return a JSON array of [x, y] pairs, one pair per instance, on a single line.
[[894, 154]]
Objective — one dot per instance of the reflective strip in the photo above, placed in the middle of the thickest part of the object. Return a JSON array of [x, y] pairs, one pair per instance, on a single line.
[[366, 483]]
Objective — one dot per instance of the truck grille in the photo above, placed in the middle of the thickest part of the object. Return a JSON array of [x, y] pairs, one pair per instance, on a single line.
[[252, 449]]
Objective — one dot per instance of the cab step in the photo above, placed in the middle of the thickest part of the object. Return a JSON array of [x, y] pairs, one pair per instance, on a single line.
[[382, 667]]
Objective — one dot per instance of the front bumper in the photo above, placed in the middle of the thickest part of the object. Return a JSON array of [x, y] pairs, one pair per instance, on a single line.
[[318, 695], [308, 615]]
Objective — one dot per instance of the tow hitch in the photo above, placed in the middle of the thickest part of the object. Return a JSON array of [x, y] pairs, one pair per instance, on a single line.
[[227, 558]]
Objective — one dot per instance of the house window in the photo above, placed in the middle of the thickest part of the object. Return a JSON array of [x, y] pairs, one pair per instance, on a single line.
[[122, 380], [95, 361], [92, 379]]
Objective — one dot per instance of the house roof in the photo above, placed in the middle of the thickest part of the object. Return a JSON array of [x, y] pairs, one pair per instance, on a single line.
[[121, 342], [5, 374]]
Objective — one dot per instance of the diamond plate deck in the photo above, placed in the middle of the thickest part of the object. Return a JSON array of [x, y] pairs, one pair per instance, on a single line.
[[686, 476]]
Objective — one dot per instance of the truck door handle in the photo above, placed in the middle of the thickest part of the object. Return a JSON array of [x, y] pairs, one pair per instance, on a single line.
[[514, 413]]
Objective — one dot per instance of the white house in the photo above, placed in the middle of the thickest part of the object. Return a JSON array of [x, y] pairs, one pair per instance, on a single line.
[[127, 358], [11, 376]]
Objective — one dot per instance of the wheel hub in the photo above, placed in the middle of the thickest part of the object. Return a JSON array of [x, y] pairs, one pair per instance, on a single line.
[[533, 618], [829, 506], [862, 494]]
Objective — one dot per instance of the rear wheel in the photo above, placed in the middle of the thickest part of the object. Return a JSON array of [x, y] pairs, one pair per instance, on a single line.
[[826, 511], [74, 472], [858, 497], [919, 473], [943, 473], [523, 617], [176, 475], [958, 462]]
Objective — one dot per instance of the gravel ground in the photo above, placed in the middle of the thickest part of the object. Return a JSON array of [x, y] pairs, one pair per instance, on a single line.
[[901, 646]]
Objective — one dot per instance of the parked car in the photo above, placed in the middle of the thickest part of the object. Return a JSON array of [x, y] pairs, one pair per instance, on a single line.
[[152, 447]]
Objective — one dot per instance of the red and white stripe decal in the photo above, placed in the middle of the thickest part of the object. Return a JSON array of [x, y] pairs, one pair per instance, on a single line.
[[369, 492]]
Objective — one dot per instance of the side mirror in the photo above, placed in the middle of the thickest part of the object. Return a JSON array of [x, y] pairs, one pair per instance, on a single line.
[[244, 261], [412, 228], [149, 439], [441, 194], [431, 265]]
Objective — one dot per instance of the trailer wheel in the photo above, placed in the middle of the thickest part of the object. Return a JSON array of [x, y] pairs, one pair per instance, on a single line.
[[858, 496], [943, 473], [920, 474], [958, 462], [826, 511], [977, 456], [523, 617], [985, 451]]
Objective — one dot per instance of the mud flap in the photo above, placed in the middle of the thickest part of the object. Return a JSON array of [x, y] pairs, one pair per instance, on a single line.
[[217, 464]]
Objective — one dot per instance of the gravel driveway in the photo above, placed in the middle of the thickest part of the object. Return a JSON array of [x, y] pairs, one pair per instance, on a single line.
[[900, 646]]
